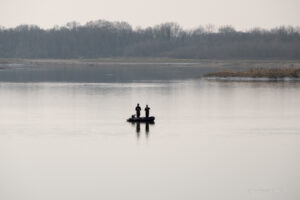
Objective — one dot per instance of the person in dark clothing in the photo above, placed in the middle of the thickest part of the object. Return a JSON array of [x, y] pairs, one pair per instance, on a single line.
[[147, 110], [138, 110]]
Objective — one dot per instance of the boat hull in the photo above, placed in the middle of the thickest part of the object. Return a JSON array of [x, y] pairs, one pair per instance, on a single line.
[[141, 119]]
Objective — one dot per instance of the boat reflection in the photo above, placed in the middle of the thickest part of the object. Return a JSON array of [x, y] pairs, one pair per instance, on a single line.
[[138, 128]]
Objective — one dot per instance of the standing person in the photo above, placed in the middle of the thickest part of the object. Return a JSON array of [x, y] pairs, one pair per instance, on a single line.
[[138, 110], [147, 110]]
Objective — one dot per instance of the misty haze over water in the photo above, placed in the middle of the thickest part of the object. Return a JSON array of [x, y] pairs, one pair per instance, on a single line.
[[67, 91], [220, 77]]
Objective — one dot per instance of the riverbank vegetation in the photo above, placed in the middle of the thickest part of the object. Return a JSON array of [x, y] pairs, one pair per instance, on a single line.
[[273, 73], [105, 39]]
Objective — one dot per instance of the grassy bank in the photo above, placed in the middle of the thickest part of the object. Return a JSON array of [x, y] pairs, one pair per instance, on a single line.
[[272, 73]]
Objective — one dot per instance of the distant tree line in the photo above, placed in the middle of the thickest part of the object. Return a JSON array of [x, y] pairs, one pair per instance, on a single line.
[[97, 39]]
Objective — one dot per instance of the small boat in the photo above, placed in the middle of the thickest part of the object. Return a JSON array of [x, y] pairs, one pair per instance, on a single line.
[[141, 119]]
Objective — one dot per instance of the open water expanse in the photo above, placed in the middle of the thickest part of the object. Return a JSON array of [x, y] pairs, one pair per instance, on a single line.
[[212, 140]]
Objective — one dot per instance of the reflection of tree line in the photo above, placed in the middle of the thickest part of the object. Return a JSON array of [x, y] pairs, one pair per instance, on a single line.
[[106, 39], [138, 128]]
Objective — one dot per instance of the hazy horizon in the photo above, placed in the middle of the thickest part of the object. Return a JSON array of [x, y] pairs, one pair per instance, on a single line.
[[243, 15]]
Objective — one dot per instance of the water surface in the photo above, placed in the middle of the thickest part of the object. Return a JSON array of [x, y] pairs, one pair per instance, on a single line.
[[211, 140]]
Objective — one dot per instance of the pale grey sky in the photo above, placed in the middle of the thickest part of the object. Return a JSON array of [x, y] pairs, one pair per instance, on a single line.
[[242, 14]]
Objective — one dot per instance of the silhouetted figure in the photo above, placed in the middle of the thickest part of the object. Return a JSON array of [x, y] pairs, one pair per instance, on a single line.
[[147, 111], [138, 111]]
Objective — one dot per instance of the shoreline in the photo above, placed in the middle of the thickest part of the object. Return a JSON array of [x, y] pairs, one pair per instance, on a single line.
[[250, 79], [129, 69], [284, 73], [155, 60]]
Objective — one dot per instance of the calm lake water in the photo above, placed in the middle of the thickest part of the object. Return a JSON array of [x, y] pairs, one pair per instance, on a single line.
[[212, 140]]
